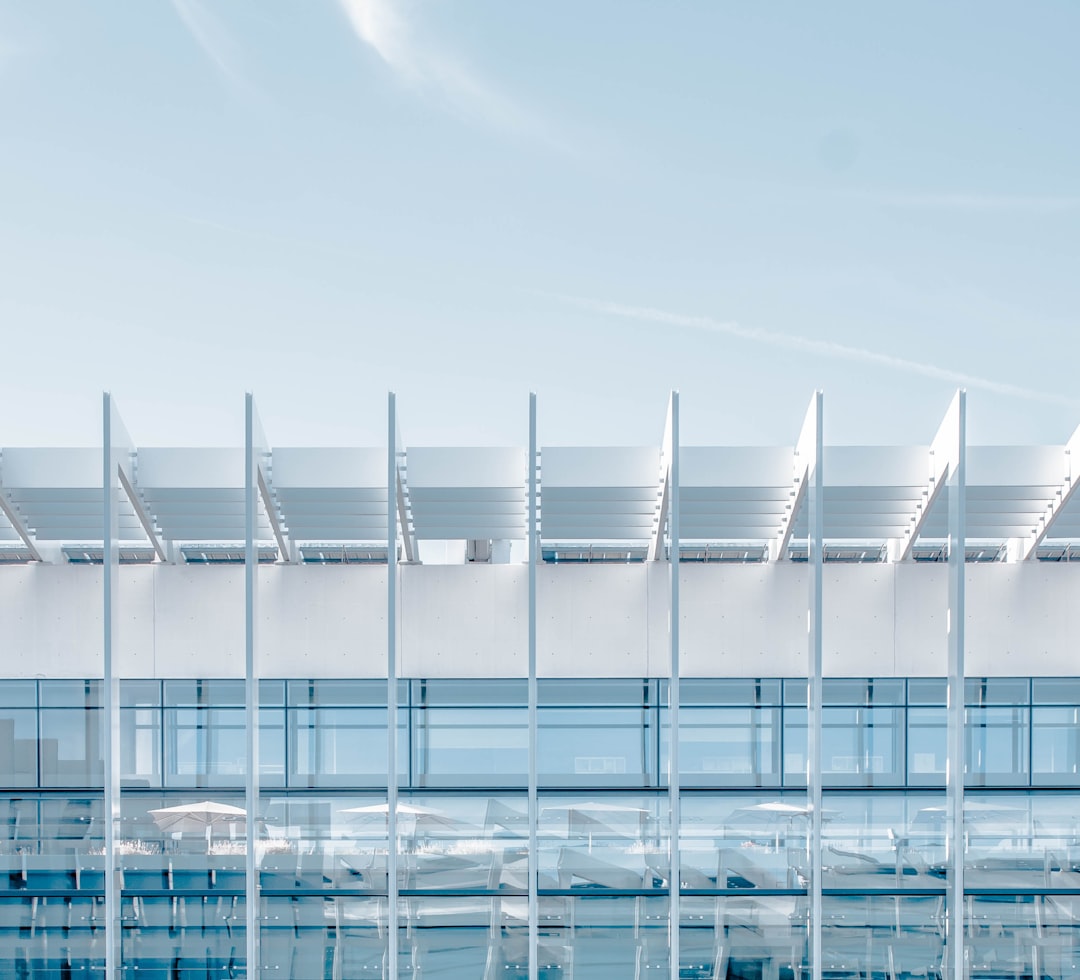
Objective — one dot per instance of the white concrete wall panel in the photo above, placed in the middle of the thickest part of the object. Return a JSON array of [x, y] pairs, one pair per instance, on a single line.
[[743, 620], [658, 583], [592, 620], [921, 621], [199, 621], [464, 620], [1022, 619], [858, 620], [136, 621], [322, 621], [51, 621]]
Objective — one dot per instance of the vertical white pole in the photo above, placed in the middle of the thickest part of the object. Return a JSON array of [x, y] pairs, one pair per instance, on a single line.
[[815, 556], [674, 784], [391, 683], [533, 556], [113, 442], [954, 778], [253, 448]]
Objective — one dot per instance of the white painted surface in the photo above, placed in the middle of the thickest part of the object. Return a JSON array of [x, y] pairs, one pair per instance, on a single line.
[[464, 620], [744, 620], [858, 619], [322, 621], [198, 621], [50, 621], [592, 620], [136, 621], [921, 623], [1022, 619]]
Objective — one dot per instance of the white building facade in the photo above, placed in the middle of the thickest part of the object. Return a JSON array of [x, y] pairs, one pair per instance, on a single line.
[[673, 711]]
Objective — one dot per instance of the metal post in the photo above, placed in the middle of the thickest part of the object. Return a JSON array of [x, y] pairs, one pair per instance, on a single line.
[[391, 683], [674, 802], [532, 557], [954, 778], [815, 552], [254, 446], [114, 443]]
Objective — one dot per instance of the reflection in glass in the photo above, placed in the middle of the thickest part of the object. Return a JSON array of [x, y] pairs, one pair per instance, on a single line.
[[72, 747], [613, 841], [743, 841], [744, 936], [472, 746], [883, 841], [996, 746]]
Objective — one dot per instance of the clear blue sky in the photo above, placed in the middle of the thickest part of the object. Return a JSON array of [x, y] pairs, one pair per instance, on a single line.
[[465, 201]]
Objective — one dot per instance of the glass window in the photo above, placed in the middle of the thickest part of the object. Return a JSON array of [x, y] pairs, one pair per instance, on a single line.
[[1055, 690], [18, 694], [588, 692], [862, 746], [445, 691], [726, 746], [72, 747], [996, 744], [795, 745], [927, 690], [339, 746], [208, 693], [598, 746], [1055, 745], [596, 732], [71, 694], [725, 691], [272, 746], [337, 693], [996, 690], [140, 746], [18, 747], [475, 746], [205, 746], [847, 690], [927, 745]]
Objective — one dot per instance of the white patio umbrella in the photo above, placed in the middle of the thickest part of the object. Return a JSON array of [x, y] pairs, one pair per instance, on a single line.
[[196, 817], [414, 811], [588, 817], [772, 814], [768, 812]]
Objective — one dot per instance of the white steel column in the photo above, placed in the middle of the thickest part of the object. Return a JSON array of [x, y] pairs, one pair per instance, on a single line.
[[671, 445], [810, 449], [392, 449], [254, 448], [955, 428], [532, 557], [116, 449]]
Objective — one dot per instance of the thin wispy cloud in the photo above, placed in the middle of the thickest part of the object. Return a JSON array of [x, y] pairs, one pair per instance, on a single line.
[[214, 41], [1019, 204], [820, 348], [431, 70]]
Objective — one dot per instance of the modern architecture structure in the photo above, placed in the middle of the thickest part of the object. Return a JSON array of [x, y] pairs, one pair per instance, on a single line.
[[540, 712]]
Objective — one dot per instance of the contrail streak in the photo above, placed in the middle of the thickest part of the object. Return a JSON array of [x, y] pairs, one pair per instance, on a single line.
[[822, 348]]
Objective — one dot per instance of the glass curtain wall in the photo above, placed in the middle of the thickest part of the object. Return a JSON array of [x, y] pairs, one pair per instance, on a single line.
[[462, 835]]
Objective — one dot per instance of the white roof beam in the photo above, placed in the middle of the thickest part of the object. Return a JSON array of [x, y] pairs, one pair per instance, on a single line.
[[656, 543], [272, 515], [803, 459], [1024, 549], [16, 521], [941, 462], [143, 515], [401, 501]]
